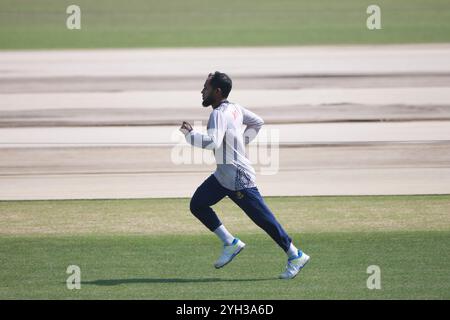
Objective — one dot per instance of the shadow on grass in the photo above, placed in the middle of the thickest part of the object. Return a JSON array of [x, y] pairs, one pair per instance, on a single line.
[[115, 282]]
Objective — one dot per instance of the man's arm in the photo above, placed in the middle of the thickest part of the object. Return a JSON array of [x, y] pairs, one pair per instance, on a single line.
[[254, 124], [213, 139]]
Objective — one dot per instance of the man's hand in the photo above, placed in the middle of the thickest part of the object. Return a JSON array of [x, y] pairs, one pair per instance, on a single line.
[[185, 128]]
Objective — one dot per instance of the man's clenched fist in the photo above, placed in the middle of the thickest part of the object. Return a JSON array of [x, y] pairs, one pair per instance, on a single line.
[[185, 128]]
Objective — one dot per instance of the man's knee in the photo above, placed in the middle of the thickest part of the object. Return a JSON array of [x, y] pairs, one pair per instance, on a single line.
[[195, 206]]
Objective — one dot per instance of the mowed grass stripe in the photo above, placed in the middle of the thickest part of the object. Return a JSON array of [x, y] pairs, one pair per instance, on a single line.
[[172, 216], [414, 265], [196, 23]]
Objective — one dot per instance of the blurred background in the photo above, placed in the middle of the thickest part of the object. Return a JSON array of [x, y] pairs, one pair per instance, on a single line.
[[94, 112], [355, 95]]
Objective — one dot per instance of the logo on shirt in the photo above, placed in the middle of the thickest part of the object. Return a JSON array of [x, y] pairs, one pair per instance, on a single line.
[[242, 180], [235, 114], [239, 195]]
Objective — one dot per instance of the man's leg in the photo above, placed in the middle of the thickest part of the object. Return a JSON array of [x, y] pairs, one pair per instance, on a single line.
[[209, 193], [251, 201]]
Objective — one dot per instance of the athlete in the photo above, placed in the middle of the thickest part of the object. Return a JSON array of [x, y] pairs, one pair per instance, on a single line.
[[234, 176]]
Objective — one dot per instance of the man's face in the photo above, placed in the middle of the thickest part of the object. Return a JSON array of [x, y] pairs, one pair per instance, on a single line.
[[207, 94]]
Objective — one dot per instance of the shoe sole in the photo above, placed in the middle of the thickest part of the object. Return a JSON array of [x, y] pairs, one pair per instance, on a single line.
[[231, 259], [298, 270]]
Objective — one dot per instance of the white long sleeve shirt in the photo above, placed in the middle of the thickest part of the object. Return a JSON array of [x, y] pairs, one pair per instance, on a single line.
[[227, 138]]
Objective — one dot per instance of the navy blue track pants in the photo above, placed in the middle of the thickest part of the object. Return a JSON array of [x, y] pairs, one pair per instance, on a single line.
[[250, 200]]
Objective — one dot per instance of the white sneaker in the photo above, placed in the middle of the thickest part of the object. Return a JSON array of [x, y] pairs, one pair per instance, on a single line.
[[229, 252], [294, 265]]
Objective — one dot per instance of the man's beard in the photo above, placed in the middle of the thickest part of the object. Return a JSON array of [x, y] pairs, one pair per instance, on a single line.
[[207, 102]]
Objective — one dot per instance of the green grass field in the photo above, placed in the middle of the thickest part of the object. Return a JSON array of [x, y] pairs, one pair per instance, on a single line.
[[29, 24], [154, 249]]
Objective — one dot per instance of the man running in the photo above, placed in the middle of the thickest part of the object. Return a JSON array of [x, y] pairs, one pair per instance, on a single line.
[[234, 176]]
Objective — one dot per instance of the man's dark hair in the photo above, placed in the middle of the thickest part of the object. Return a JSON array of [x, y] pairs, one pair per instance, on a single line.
[[222, 81]]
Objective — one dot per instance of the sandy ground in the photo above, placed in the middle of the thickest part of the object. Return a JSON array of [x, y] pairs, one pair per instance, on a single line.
[[102, 123], [158, 107], [316, 133], [282, 61], [108, 172]]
